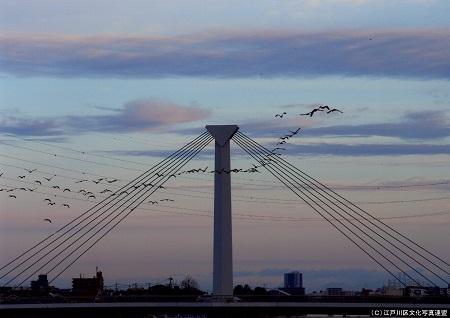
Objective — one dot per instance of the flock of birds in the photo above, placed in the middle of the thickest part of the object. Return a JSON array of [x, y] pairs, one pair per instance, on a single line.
[[282, 140], [85, 192]]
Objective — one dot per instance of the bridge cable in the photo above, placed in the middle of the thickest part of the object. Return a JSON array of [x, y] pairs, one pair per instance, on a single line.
[[240, 142], [110, 198], [274, 161], [135, 187], [337, 197], [128, 213]]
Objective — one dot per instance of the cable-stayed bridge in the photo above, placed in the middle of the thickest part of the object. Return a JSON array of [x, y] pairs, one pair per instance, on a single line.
[[391, 250]]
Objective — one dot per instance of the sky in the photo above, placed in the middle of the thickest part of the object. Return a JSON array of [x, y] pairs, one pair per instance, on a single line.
[[110, 88]]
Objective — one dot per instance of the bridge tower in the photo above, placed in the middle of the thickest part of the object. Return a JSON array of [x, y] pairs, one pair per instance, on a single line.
[[223, 245]]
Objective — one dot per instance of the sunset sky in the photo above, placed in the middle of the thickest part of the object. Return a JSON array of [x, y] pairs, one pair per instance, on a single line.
[[113, 87]]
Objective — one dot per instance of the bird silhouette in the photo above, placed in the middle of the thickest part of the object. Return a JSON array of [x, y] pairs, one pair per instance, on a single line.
[[46, 199], [161, 187], [1, 174], [51, 203], [91, 196], [311, 113], [21, 177], [281, 142], [280, 115], [30, 171], [96, 181], [153, 202], [334, 110], [111, 181], [295, 132], [167, 200], [23, 189], [56, 187], [81, 191], [66, 205], [66, 189], [79, 181], [48, 220], [324, 107], [49, 179], [31, 190], [278, 148], [105, 191], [37, 181], [12, 196]]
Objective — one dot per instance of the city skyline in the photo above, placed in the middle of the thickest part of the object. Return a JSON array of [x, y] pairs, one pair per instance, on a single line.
[[91, 81]]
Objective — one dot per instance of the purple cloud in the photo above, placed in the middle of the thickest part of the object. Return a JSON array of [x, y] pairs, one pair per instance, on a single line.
[[138, 115], [393, 53]]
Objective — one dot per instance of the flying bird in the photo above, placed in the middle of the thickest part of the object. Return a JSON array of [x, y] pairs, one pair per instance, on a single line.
[[48, 200], [37, 181], [111, 181], [49, 179], [280, 115], [334, 110], [48, 220], [66, 205], [56, 187], [21, 177], [167, 200], [30, 171], [51, 203], [105, 191], [66, 189], [324, 107], [12, 196], [311, 113], [278, 148], [153, 202], [91, 196], [295, 132], [31, 190], [79, 181]]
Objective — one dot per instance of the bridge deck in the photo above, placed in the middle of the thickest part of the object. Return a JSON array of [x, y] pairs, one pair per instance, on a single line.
[[204, 309]]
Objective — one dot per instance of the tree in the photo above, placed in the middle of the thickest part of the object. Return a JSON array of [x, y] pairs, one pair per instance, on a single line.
[[189, 283]]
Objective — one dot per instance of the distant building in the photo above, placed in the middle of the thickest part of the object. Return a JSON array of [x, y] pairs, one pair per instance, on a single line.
[[293, 283], [41, 284], [335, 291], [88, 286], [293, 280]]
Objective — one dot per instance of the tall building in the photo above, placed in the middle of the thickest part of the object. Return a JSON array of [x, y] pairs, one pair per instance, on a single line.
[[41, 284], [88, 286], [293, 280]]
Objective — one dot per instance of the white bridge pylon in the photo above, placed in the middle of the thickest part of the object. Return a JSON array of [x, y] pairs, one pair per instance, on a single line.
[[223, 243]]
